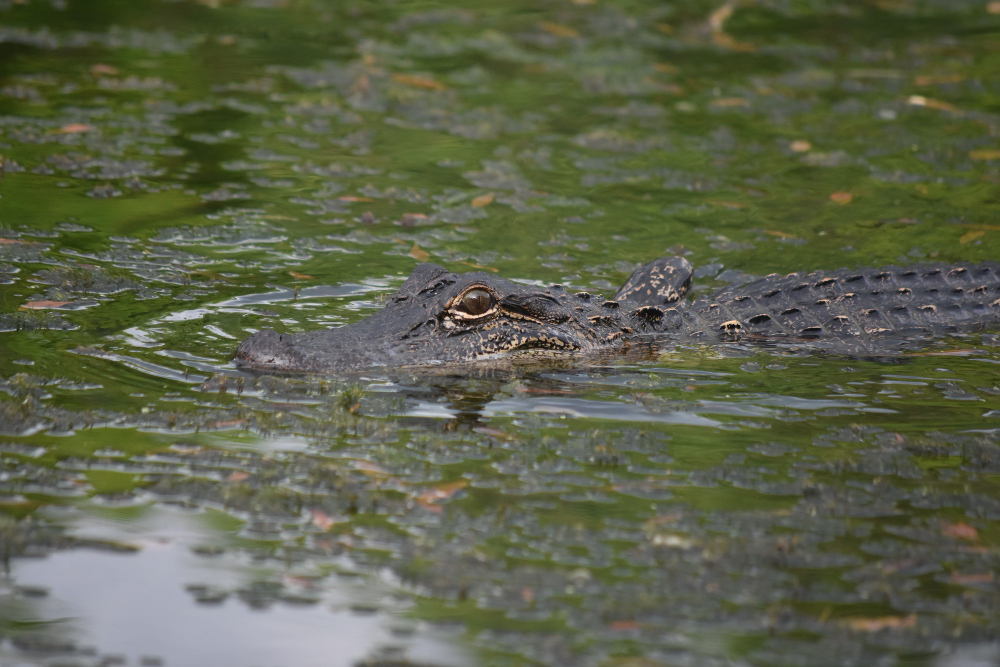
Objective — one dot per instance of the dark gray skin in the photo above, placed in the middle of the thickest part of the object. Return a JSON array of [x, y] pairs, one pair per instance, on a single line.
[[439, 318]]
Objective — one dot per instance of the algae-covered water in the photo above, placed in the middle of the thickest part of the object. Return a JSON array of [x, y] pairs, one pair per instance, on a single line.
[[178, 174]]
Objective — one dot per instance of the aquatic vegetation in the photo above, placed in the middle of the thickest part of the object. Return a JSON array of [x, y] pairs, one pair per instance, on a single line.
[[176, 176]]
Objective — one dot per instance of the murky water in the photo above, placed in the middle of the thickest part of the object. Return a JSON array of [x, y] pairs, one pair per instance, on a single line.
[[178, 174]]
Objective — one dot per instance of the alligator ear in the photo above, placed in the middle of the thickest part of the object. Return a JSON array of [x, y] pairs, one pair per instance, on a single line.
[[424, 276], [664, 280]]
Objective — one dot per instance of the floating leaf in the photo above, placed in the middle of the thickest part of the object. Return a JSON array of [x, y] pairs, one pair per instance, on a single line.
[[559, 30], [74, 128], [623, 626], [985, 154], [42, 305], [9, 241], [968, 237], [727, 42], [227, 423], [962, 531], [729, 102], [321, 519], [101, 69], [921, 101], [483, 200], [430, 498], [353, 198], [882, 623], [841, 197], [800, 146], [299, 276], [666, 68], [237, 476], [419, 254], [419, 81], [370, 469], [932, 79]]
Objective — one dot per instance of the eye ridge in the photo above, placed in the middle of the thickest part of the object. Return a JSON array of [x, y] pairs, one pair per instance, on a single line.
[[477, 301]]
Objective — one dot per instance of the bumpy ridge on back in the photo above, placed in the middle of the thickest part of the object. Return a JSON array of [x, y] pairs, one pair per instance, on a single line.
[[858, 304]]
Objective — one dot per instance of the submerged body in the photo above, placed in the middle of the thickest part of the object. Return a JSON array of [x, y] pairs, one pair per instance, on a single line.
[[438, 317]]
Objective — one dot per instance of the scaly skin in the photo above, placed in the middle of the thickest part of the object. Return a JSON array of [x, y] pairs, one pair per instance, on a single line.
[[428, 322]]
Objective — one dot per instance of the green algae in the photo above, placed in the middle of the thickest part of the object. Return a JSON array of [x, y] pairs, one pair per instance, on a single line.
[[183, 173]]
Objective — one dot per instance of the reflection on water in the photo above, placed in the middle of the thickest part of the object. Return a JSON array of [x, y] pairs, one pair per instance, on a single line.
[[182, 599]]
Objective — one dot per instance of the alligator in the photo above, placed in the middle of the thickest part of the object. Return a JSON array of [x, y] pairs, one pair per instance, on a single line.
[[440, 318]]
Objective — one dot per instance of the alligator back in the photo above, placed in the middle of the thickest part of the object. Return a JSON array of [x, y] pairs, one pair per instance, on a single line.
[[862, 306]]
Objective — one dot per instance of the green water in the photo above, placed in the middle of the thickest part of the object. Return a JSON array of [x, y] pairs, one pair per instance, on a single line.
[[178, 174]]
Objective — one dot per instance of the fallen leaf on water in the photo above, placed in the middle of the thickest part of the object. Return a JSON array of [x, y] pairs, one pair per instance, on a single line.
[[993, 8], [419, 81], [430, 497], [483, 200], [662, 519], [73, 128], [921, 101], [8, 241], [41, 305], [353, 198], [100, 68], [931, 79], [299, 276], [800, 146], [228, 423], [960, 530], [841, 197], [558, 29], [419, 254], [237, 476], [780, 234], [717, 19], [623, 626], [497, 433], [370, 468], [726, 41], [882, 623], [985, 154], [321, 519], [410, 219], [729, 102], [970, 236]]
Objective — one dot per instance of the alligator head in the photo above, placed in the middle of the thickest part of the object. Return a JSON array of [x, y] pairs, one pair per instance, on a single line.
[[438, 317]]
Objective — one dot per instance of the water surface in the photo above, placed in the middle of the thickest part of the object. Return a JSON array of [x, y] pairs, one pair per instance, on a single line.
[[179, 174]]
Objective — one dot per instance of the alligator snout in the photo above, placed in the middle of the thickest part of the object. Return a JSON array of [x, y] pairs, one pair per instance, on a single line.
[[268, 349]]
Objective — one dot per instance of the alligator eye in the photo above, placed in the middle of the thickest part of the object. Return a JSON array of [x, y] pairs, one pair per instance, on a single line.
[[477, 301]]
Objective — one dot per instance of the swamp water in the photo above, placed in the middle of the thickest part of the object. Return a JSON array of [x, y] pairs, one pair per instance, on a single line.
[[178, 174]]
